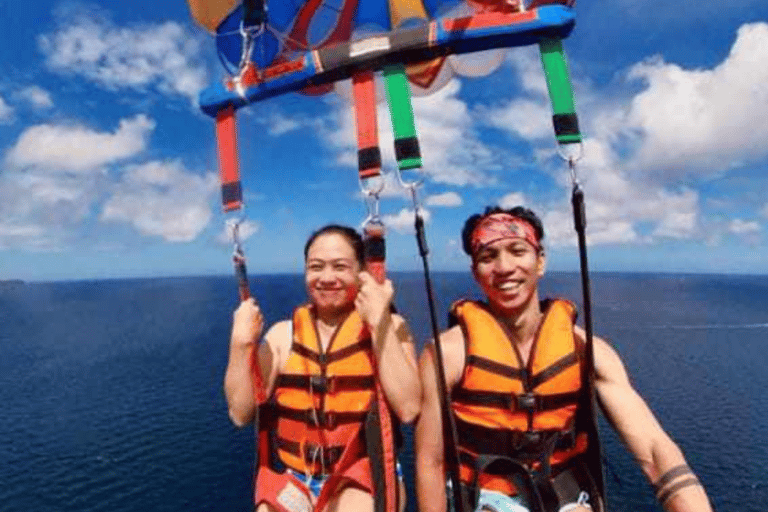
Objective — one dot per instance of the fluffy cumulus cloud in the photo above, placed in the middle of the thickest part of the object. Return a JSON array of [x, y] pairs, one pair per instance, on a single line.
[[163, 56], [162, 199], [76, 148], [68, 174], [704, 119], [60, 172], [446, 199], [6, 112], [36, 96]]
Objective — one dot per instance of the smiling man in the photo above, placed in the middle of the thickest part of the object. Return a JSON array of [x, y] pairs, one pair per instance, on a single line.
[[514, 367]]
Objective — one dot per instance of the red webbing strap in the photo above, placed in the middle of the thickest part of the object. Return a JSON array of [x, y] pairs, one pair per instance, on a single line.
[[226, 137], [375, 256], [368, 152], [259, 391]]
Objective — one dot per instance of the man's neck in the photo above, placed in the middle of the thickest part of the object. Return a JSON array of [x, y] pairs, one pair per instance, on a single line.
[[523, 324]]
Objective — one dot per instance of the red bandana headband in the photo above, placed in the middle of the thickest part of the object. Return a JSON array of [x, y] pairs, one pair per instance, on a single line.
[[499, 226]]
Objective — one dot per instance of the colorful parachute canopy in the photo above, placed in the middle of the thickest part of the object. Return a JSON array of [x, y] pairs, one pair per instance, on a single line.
[[309, 44]]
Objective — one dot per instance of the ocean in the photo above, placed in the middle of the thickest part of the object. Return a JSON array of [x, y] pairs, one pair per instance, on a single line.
[[112, 390]]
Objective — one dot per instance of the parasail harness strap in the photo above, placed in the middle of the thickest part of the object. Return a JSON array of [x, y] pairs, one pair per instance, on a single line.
[[408, 157], [567, 133]]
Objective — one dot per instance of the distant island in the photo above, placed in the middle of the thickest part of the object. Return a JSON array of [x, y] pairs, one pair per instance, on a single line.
[[6, 284]]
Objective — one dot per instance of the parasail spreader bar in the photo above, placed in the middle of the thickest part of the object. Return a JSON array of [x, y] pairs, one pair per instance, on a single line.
[[442, 36]]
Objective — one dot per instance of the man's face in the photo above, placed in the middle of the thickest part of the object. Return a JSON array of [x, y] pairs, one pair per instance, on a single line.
[[331, 273], [508, 271]]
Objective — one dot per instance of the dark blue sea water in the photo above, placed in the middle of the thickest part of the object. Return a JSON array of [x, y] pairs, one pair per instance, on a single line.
[[112, 390]]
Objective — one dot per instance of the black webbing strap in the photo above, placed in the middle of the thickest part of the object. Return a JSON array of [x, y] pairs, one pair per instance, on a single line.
[[317, 417], [450, 437], [508, 401], [594, 452], [327, 358], [325, 384]]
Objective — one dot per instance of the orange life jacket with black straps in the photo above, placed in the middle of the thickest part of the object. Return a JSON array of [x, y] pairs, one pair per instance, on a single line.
[[322, 418], [321, 398], [518, 424]]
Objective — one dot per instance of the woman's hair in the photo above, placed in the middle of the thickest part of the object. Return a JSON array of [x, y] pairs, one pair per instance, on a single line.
[[520, 212], [350, 234]]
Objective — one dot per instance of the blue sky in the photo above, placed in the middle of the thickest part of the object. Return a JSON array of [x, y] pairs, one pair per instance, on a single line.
[[108, 169]]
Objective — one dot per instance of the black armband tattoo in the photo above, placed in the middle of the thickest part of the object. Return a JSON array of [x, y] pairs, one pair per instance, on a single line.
[[668, 493], [670, 475], [663, 492]]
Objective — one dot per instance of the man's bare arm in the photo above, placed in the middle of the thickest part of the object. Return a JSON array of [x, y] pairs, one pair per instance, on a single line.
[[660, 458], [430, 464]]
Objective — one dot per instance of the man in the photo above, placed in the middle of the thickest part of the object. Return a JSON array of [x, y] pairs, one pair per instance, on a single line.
[[516, 370], [324, 372]]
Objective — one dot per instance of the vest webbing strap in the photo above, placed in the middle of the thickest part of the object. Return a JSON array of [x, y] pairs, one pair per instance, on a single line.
[[368, 152], [407, 150], [564, 117], [318, 417], [226, 137], [525, 402], [325, 384], [512, 443]]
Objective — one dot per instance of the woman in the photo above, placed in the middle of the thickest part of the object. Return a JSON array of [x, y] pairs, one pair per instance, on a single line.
[[323, 372]]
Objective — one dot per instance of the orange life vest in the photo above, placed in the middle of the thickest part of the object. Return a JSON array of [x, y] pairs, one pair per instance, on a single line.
[[321, 397], [524, 413], [322, 418]]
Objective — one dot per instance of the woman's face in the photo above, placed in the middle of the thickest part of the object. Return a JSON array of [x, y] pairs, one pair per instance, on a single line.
[[331, 273]]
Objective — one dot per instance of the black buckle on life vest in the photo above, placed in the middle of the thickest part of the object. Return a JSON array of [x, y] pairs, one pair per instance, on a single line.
[[527, 402], [326, 419], [319, 383]]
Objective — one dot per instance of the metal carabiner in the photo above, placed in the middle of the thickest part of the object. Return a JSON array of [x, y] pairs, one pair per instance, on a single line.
[[569, 157]]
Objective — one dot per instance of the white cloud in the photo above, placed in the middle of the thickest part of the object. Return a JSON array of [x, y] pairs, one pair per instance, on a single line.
[[6, 112], [703, 119], [513, 199], [78, 149], [446, 199], [764, 211], [403, 221], [165, 56], [743, 227], [36, 96], [162, 199]]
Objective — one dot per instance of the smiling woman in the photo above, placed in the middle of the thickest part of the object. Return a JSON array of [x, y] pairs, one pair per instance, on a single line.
[[323, 371]]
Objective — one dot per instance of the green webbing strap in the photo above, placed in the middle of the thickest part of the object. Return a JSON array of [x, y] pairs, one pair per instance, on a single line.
[[400, 110], [560, 91]]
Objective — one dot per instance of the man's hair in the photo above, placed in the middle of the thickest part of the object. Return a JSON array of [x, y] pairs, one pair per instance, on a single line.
[[349, 234], [520, 212]]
